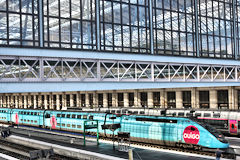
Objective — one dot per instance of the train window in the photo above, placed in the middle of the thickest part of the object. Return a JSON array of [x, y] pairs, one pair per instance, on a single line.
[[28, 120], [174, 114], [118, 111], [84, 116], [35, 121], [28, 113], [21, 119], [156, 120], [79, 126], [31, 121], [47, 115], [58, 115], [24, 120], [91, 117], [63, 125], [189, 114], [24, 112], [112, 111], [135, 112], [198, 114], [73, 126], [181, 114], [207, 115], [35, 113], [68, 125], [63, 115], [216, 115], [58, 124], [142, 112], [78, 116], [74, 116], [31, 113], [68, 115]]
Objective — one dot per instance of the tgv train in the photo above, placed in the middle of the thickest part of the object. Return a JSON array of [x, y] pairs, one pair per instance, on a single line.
[[172, 131], [228, 122]]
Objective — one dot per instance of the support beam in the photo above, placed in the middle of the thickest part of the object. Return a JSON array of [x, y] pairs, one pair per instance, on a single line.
[[151, 26], [196, 27], [40, 17], [163, 98], [105, 100], [150, 99]]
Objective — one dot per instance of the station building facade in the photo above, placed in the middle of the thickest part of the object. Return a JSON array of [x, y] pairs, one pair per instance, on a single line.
[[120, 53]]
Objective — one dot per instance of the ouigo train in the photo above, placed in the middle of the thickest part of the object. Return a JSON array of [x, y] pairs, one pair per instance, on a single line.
[[172, 131]]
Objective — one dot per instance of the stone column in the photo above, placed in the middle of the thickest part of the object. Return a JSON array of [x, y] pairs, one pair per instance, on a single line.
[[29, 101], [194, 98], [231, 97], [105, 100], [5, 101], [1, 101], [136, 98], [40, 103], [64, 101], [87, 99], [197, 99], [45, 102], [8, 101], [114, 99], [125, 99], [150, 99], [57, 102], [213, 98], [34, 101], [71, 100], [16, 101], [163, 98], [12, 101], [95, 100], [179, 100], [25, 101], [235, 99], [78, 100]]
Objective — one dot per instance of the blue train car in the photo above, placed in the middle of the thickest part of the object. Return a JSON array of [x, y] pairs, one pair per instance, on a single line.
[[174, 131]]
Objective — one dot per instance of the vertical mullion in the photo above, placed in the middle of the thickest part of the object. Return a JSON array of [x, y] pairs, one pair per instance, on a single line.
[[225, 27], [138, 27], [103, 24], [33, 22], [207, 28], [171, 26], [20, 9], [164, 29], [81, 21], [186, 24], [234, 30], [179, 39], [151, 27], [98, 39], [59, 23], [91, 21], [130, 26], [7, 14], [213, 34], [112, 11], [48, 27], [219, 29], [196, 28], [121, 23], [70, 10]]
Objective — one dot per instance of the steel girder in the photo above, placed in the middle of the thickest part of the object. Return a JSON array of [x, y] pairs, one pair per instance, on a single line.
[[48, 69]]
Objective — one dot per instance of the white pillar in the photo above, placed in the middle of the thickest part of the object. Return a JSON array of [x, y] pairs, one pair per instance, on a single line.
[[114, 99], [105, 100], [34, 101], [57, 102], [16, 101], [150, 99], [40, 103], [78, 99], [231, 97], [193, 97], [179, 100], [25, 101], [5, 101], [71, 100], [87, 100], [213, 99], [136, 99], [235, 99], [95, 100], [45, 102], [20, 105], [163, 98], [125, 99], [197, 104]]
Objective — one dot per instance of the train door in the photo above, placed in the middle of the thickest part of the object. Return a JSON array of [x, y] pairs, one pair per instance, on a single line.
[[233, 126]]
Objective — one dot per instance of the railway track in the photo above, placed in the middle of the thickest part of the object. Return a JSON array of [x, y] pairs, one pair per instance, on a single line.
[[229, 155], [22, 152]]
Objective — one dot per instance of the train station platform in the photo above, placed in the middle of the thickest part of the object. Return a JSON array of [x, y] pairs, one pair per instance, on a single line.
[[73, 146]]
